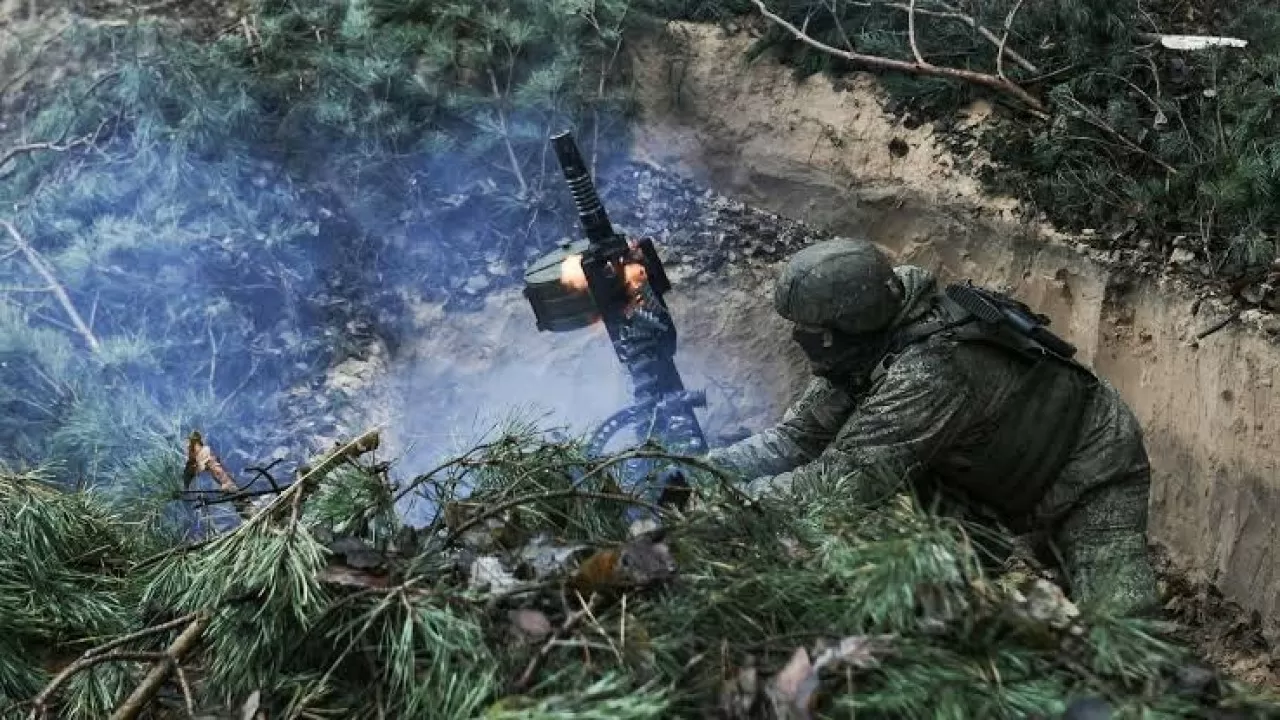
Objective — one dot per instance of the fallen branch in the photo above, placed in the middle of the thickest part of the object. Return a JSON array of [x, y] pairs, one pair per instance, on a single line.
[[40, 266], [160, 671], [40, 707], [949, 12], [992, 82], [103, 654], [53, 146], [1217, 326], [365, 442]]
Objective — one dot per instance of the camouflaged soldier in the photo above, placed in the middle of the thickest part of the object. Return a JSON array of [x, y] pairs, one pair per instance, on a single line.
[[905, 377]]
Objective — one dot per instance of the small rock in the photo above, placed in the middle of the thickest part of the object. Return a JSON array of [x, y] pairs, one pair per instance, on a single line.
[[1195, 680], [531, 625]]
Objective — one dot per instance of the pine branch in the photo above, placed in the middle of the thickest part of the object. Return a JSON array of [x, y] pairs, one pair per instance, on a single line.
[[40, 266], [53, 146], [992, 82], [954, 13], [31, 64], [1090, 117], [501, 508], [160, 671], [506, 135], [40, 705]]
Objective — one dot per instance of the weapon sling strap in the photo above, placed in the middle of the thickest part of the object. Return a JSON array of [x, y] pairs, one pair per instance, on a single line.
[[1019, 473]]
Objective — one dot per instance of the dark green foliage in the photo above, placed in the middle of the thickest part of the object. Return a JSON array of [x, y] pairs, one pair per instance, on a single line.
[[236, 215], [64, 563], [415, 640], [1124, 112]]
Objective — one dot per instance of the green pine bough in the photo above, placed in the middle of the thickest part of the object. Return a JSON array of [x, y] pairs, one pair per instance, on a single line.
[[1138, 142], [319, 607]]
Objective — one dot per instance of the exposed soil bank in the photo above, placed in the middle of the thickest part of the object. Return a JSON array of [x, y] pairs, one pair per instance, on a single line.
[[832, 157]]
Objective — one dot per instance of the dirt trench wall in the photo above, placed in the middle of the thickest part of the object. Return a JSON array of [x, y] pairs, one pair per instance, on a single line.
[[822, 154]]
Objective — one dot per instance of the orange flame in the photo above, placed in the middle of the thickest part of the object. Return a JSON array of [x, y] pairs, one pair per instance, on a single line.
[[571, 273], [634, 276], [574, 278]]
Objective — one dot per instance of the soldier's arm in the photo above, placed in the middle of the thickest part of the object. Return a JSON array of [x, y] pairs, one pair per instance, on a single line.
[[912, 414], [811, 422]]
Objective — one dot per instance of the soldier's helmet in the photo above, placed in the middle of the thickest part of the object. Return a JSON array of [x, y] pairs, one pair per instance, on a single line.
[[842, 284]]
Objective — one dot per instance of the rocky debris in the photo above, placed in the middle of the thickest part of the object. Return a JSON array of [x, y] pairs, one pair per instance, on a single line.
[[698, 229]]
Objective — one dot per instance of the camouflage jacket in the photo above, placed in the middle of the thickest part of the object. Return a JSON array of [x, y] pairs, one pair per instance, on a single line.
[[973, 417]]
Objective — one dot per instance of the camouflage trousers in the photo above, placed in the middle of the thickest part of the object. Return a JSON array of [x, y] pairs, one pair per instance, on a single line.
[[1100, 545]]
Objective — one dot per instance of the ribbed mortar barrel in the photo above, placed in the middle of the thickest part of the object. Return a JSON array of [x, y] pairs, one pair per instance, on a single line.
[[590, 211]]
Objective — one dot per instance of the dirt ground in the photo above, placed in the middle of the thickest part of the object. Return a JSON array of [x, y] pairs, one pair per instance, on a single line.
[[1225, 634]]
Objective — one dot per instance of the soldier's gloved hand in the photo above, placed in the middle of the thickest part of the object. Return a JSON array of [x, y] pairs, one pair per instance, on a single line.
[[673, 488], [671, 475]]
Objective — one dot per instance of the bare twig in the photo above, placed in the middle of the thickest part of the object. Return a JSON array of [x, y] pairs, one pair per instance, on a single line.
[[131, 637], [1088, 116], [325, 466], [500, 508], [992, 82], [506, 135], [186, 691], [461, 460], [40, 266], [1004, 37], [835, 17], [570, 622], [52, 146], [160, 671], [950, 12], [955, 14], [40, 707], [911, 34]]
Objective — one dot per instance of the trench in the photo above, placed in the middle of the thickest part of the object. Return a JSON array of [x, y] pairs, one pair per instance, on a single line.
[[829, 155]]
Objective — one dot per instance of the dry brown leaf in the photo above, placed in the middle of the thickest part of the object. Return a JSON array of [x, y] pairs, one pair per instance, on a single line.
[[200, 458], [793, 690], [641, 561], [366, 443]]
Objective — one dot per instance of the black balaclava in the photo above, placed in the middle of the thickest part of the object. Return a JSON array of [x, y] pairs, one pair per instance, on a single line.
[[840, 357]]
